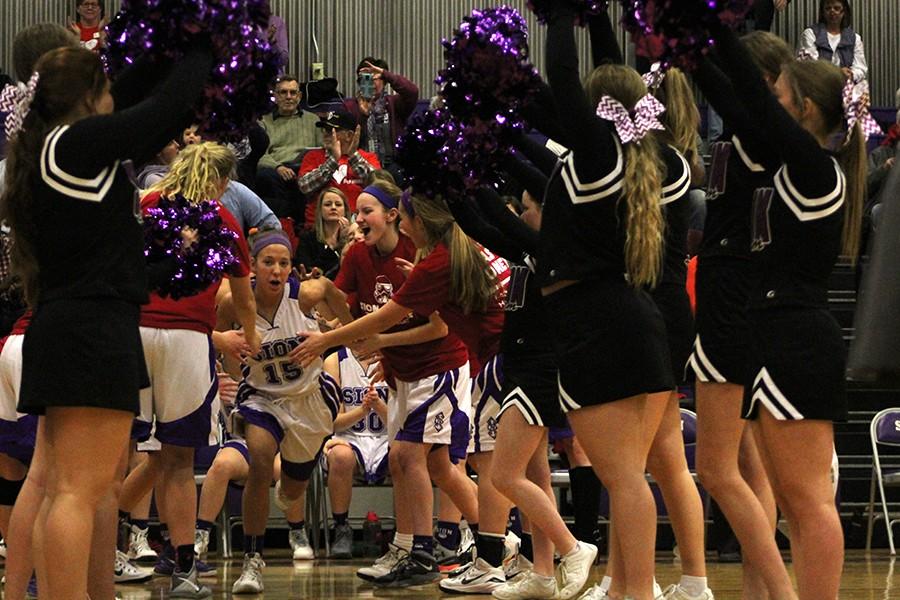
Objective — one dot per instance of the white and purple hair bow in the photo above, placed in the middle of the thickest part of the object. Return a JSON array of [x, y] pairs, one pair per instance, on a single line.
[[15, 100], [654, 77], [632, 129], [856, 109]]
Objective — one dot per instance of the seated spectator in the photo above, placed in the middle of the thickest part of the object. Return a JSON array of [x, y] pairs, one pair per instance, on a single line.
[[247, 208], [153, 172], [832, 39], [321, 246], [89, 24], [291, 132], [881, 161], [381, 115], [339, 163]]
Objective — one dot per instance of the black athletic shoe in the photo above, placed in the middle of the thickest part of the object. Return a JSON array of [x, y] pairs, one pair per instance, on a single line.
[[416, 568]]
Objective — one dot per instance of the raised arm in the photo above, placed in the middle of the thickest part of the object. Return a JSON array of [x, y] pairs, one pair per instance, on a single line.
[[524, 237], [479, 229], [530, 178], [586, 134], [785, 139], [138, 132], [604, 44]]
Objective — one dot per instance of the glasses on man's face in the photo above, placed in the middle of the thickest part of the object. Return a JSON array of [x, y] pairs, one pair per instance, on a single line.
[[288, 92]]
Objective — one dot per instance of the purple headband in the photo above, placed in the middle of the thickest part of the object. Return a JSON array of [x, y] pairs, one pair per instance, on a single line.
[[406, 201], [267, 238], [386, 199]]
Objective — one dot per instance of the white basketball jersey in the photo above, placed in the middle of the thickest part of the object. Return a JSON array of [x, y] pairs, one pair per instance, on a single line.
[[354, 385], [271, 373]]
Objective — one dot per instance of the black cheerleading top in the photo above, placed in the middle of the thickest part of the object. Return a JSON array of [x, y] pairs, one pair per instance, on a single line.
[[582, 232], [494, 226], [740, 163], [797, 220], [88, 237], [676, 210]]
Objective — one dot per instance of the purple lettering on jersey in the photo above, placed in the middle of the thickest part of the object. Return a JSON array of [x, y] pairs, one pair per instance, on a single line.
[[718, 169], [761, 227]]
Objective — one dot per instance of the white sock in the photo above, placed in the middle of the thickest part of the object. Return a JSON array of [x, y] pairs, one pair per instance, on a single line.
[[605, 583], [403, 541], [694, 586]]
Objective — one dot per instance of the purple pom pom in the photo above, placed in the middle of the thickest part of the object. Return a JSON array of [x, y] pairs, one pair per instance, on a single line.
[[585, 9], [442, 157], [679, 33], [238, 92], [488, 75], [204, 262]]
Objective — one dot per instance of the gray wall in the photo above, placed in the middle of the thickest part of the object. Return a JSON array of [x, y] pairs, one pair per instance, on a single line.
[[407, 33]]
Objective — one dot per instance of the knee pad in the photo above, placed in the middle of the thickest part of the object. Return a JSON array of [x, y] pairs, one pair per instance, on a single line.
[[9, 491]]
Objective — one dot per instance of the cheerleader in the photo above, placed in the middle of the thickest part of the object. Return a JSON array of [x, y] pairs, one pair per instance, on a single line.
[[795, 388], [280, 406], [601, 244], [432, 408], [360, 442], [83, 271], [728, 462]]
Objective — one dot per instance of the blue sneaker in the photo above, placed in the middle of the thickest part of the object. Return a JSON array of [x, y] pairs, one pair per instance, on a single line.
[[204, 569], [165, 565]]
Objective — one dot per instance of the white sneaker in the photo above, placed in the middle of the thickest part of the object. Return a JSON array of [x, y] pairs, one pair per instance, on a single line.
[[138, 547], [657, 590], [126, 572], [2, 548], [531, 587], [250, 581], [575, 568], [466, 540], [201, 542], [300, 545], [675, 592], [517, 567], [382, 565], [594, 593], [511, 545], [479, 578]]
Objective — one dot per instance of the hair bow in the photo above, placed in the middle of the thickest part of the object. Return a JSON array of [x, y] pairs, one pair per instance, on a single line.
[[856, 109], [654, 77], [15, 100], [631, 129]]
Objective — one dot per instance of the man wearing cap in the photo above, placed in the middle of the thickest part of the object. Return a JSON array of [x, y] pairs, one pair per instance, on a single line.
[[339, 163], [291, 132]]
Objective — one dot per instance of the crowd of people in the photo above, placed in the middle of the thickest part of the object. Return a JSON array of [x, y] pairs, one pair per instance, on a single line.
[[382, 333]]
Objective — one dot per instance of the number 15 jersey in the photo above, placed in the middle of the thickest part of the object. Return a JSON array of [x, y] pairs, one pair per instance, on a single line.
[[271, 373]]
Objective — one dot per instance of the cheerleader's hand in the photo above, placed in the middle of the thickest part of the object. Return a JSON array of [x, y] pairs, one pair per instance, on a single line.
[[310, 349], [227, 389], [377, 374]]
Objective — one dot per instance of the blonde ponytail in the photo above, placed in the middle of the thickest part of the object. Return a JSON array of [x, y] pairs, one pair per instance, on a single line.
[[645, 226], [197, 172]]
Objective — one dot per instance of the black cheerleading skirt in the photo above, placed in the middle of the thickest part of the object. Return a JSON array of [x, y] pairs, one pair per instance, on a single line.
[[83, 352], [610, 343]]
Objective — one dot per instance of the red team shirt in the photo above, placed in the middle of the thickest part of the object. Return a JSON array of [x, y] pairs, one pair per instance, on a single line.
[[428, 290], [198, 312], [373, 279]]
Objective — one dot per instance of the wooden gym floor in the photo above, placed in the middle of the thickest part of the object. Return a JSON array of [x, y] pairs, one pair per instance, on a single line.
[[866, 577]]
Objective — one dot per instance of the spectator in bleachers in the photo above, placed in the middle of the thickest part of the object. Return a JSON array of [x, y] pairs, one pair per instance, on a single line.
[[382, 116], [881, 161], [340, 162], [278, 37], [154, 172], [832, 38], [320, 247], [90, 21], [291, 131]]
